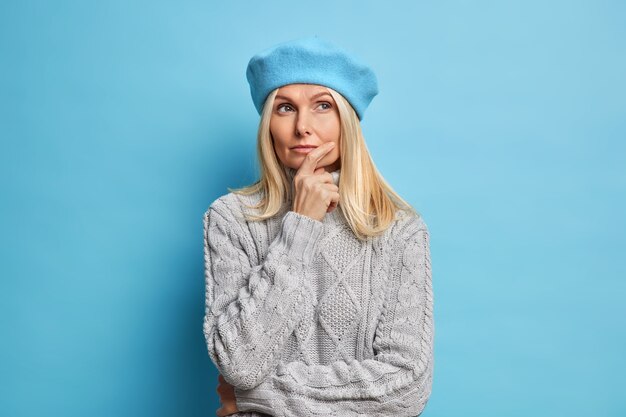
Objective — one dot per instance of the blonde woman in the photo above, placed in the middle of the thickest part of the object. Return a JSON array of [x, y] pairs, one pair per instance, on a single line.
[[319, 297]]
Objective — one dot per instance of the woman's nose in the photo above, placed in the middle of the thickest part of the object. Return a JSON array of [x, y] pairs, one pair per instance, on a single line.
[[301, 131], [302, 126]]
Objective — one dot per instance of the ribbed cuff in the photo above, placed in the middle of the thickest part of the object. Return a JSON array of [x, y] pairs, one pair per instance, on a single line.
[[300, 236], [258, 398]]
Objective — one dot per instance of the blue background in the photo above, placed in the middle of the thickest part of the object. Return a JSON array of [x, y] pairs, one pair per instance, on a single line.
[[503, 122]]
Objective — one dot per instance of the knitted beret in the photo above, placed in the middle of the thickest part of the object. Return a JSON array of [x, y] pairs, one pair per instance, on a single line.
[[311, 60]]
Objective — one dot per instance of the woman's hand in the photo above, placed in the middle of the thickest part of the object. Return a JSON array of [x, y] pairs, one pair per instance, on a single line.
[[316, 193], [227, 398]]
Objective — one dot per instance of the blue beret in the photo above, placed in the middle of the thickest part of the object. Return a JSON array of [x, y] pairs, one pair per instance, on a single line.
[[311, 60]]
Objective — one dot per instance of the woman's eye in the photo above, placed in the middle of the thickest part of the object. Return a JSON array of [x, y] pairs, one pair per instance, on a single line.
[[327, 104], [283, 106]]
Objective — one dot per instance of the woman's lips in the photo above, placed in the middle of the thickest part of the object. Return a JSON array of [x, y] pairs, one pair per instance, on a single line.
[[303, 149]]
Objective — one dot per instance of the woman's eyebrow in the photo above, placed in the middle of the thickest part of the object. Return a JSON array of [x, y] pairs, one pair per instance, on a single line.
[[314, 97]]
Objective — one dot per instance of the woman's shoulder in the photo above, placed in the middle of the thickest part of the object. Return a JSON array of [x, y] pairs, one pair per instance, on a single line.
[[229, 201], [237, 206], [407, 223], [232, 205]]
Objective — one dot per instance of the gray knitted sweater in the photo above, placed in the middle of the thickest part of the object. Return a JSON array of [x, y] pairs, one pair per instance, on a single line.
[[303, 319]]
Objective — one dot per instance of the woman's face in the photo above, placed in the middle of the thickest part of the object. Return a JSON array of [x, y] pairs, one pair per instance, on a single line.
[[305, 114]]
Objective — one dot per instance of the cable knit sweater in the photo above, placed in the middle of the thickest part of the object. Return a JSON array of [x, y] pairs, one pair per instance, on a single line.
[[303, 319]]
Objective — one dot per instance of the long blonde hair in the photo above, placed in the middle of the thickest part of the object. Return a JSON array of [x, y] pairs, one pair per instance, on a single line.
[[367, 201]]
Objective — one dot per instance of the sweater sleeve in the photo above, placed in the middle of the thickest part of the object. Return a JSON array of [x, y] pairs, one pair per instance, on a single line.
[[397, 381], [251, 310]]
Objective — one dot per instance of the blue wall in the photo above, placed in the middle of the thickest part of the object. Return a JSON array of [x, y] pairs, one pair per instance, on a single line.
[[503, 122]]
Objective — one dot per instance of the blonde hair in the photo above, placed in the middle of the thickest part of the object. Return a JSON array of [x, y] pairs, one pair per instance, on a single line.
[[367, 201]]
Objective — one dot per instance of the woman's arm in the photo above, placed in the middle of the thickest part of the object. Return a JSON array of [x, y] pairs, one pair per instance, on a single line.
[[252, 309], [397, 381]]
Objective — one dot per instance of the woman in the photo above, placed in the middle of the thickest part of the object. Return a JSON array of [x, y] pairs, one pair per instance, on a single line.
[[318, 278]]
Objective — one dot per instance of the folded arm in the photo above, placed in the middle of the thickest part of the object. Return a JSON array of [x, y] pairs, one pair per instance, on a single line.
[[252, 309]]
